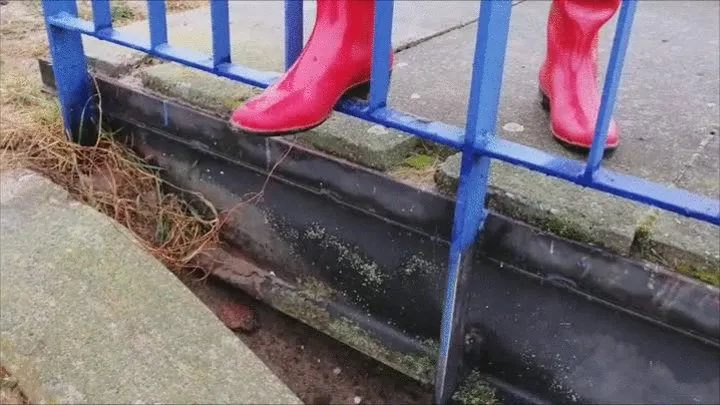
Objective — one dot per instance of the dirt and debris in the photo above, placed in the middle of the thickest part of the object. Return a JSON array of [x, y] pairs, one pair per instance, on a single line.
[[10, 392], [319, 369], [238, 317]]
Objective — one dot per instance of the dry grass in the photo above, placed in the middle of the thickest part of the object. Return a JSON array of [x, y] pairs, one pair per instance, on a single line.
[[108, 176], [10, 392]]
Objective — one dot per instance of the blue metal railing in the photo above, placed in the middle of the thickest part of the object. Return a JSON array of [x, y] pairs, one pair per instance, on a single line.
[[477, 140]]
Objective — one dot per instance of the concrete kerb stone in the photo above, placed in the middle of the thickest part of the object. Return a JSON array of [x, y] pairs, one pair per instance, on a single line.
[[208, 92], [371, 145], [586, 216], [690, 246], [110, 59], [88, 316]]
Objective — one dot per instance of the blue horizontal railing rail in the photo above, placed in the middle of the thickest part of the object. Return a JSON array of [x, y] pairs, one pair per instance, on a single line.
[[477, 140]]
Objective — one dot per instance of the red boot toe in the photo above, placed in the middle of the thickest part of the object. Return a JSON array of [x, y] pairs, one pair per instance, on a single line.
[[336, 59]]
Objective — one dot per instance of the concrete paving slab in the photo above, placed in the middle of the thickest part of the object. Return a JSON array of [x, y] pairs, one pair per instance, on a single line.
[[88, 316], [257, 33]]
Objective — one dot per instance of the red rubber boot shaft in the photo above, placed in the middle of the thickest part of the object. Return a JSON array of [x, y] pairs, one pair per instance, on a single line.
[[569, 76], [336, 58]]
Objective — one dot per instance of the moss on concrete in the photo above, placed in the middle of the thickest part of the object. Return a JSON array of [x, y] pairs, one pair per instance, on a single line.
[[475, 391], [688, 246], [707, 274], [419, 161], [371, 145], [203, 90]]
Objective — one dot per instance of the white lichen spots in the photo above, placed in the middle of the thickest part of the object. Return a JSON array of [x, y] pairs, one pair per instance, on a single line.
[[357, 400], [417, 264], [315, 232], [337, 371], [513, 127], [414, 96], [292, 234], [372, 276], [401, 64], [377, 130]]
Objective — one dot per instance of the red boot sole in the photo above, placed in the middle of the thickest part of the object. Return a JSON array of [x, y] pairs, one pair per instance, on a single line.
[[360, 90]]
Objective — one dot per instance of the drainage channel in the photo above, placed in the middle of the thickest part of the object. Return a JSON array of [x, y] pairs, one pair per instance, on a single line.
[[361, 258]]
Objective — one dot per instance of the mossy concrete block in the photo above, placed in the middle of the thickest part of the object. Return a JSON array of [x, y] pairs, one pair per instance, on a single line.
[[689, 246], [554, 205], [201, 89], [692, 247], [88, 316], [371, 145]]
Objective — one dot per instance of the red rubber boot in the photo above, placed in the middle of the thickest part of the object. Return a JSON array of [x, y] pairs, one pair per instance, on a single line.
[[336, 60], [569, 76]]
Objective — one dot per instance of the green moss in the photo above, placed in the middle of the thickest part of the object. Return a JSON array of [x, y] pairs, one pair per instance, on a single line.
[[688, 264], [475, 391], [420, 161], [420, 366], [642, 239], [305, 305], [302, 308], [317, 290], [708, 275], [435, 149], [121, 11]]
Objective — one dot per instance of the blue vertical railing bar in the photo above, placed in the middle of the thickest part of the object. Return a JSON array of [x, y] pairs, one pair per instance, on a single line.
[[220, 19], [158, 23], [102, 17], [70, 69], [293, 31], [382, 48], [612, 83], [470, 211]]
